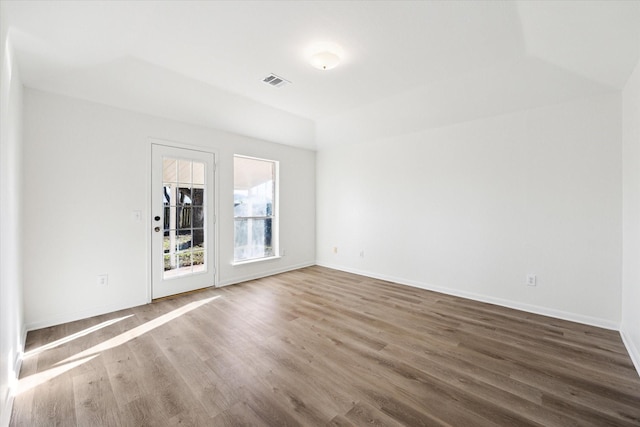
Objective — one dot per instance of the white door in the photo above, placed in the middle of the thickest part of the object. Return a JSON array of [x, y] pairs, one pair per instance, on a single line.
[[182, 220]]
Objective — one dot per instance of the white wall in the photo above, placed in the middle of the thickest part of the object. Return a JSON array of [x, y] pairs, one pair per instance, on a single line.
[[630, 327], [471, 209], [11, 318], [86, 170]]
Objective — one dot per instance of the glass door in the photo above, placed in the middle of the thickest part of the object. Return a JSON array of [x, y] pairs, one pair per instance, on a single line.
[[182, 220]]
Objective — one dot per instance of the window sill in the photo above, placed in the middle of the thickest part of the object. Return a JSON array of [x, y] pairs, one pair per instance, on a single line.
[[253, 261]]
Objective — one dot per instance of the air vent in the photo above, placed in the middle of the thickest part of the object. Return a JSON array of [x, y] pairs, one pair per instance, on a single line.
[[275, 81]]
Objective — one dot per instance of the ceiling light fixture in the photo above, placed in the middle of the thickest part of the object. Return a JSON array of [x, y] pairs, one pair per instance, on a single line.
[[324, 55], [325, 60]]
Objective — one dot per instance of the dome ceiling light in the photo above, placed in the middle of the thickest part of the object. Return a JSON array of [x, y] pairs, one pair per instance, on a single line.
[[325, 56], [325, 60]]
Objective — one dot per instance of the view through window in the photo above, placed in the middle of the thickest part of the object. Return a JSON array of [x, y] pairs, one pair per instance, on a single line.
[[184, 213], [254, 208]]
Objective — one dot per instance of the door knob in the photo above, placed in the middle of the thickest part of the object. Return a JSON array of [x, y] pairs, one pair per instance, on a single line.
[[156, 229], [157, 217]]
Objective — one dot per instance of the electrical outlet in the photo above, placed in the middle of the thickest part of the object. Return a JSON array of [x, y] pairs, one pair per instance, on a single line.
[[103, 279], [335, 249], [532, 280], [362, 254]]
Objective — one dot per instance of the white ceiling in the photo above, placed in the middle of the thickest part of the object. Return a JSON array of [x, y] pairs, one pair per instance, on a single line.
[[407, 66]]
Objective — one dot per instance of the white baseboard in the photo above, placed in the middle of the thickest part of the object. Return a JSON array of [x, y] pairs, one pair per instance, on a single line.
[[633, 351], [559, 314], [7, 406], [96, 311], [7, 401], [262, 274], [82, 314]]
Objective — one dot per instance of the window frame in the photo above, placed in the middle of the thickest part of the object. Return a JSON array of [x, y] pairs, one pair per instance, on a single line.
[[275, 213]]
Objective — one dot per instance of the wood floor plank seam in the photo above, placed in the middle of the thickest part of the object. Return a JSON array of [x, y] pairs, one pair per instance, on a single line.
[[317, 346]]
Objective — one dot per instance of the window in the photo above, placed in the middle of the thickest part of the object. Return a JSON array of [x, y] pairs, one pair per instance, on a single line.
[[254, 208], [184, 214]]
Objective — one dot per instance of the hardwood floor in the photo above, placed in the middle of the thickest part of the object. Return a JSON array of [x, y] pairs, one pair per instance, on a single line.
[[322, 347]]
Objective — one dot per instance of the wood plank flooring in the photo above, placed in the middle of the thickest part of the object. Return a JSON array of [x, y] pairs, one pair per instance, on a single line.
[[319, 347]]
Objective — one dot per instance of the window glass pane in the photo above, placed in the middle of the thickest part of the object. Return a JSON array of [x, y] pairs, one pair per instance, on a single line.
[[169, 172], [198, 238], [184, 217], [240, 208], [198, 257], [167, 263], [198, 173], [184, 171], [253, 208], [167, 194], [197, 217], [253, 239], [184, 195], [167, 218], [253, 187], [183, 240], [166, 243], [184, 259], [197, 198], [258, 202]]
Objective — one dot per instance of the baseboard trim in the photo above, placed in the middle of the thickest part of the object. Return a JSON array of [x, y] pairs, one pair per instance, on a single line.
[[633, 351], [260, 275], [558, 314], [82, 314], [7, 407], [7, 401], [97, 311]]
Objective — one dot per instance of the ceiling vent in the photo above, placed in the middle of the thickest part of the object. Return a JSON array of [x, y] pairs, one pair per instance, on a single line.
[[275, 81]]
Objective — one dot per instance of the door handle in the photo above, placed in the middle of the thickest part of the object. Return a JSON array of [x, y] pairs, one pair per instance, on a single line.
[[157, 217], [156, 229]]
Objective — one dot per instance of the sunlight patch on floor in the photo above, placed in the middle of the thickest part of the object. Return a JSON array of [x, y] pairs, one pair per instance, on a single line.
[[26, 384], [139, 330], [72, 337], [85, 356]]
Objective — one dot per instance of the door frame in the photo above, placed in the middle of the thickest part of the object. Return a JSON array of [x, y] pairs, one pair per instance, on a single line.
[[149, 223]]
